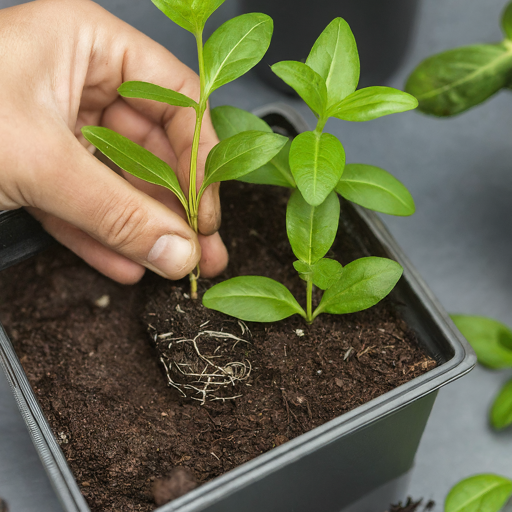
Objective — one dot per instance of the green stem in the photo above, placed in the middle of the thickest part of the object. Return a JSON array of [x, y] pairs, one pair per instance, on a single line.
[[320, 125], [309, 299], [193, 200]]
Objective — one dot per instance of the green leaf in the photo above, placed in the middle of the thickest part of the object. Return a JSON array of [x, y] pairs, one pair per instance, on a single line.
[[134, 159], [229, 121], [235, 47], [308, 84], [335, 58], [501, 411], [375, 189], [324, 273], [312, 229], [154, 92], [453, 81], [488, 338], [362, 284], [253, 299], [479, 493], [373, 102], [276, 172], [317, 163], [189, 14], [240, 154], [506, 21]]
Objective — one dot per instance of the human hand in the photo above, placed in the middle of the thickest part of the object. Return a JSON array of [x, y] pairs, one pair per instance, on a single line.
[[61, 62]]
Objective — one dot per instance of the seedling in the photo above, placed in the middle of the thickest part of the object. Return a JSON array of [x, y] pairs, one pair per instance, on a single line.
[[313, 164], [456, 80], [492, 342], [232, 50]]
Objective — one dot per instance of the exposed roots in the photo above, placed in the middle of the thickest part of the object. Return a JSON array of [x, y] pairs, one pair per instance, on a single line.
[[202, 370]]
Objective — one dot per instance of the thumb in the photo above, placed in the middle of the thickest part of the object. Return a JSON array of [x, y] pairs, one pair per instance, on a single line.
[[78, 189]]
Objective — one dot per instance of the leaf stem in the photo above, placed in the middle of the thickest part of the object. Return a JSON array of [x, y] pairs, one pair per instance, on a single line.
[[309, 299], [320, 125]]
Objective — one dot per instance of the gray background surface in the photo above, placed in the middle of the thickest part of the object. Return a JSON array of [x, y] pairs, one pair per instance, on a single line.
[[459, 172]]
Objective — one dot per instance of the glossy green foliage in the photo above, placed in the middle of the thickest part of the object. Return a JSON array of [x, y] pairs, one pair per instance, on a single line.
[[371, 103], [134, 159], [506, 21], [324, 273], [317, 162], [241, 154], [306, 82], [375, 189], [362, 284], [253, 299], [501, 410], [479, 493], [189, 14], [454, 81], [234, 48], [229, 121], [335, 58], [312, 229], [154, 92], [489, 339]]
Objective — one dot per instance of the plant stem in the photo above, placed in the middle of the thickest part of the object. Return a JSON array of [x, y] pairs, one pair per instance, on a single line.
[[309, 299], [192, 188], [320, 125]]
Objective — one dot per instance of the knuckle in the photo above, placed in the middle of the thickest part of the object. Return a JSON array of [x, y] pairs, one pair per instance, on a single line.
[[121, 225]]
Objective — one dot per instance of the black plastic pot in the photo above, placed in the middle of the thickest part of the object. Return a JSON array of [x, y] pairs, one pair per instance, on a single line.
[[382, 29], [332, 466]]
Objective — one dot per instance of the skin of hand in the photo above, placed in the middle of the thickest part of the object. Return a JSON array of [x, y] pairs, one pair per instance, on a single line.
[[61, 62]]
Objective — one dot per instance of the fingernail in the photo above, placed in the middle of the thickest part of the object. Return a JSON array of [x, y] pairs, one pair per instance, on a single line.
[[170, 255]]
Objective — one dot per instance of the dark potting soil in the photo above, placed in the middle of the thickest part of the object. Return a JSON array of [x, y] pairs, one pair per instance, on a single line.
[[413, 506], [88, 347]]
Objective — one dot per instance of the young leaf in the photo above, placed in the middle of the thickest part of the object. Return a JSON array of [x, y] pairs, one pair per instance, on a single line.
[[335, 58], [276, 172], [312, 229], [362, 284], [308, 84], [371, 103], [134, 159], [375, 189], [235, 47], [189, 14], [324, 273], [453, 81], [229, 121], [316, 162], [501, 411], [506, 21], [154, 92], [479, 493], [253, 299], [488, 339], [240, 154]]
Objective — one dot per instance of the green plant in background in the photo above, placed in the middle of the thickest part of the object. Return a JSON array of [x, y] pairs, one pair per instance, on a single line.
[[492, 342], [479, 493], [313, 165], [232, 50], [453, 81]]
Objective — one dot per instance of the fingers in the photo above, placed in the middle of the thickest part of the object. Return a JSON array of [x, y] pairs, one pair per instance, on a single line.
[[74, 186]]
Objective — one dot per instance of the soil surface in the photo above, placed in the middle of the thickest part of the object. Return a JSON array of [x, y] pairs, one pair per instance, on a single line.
[[88, 347]]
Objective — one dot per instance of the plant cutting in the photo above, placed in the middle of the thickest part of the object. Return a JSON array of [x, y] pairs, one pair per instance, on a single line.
[[492, 342], [232, 50], [314, 166], [454, 81]]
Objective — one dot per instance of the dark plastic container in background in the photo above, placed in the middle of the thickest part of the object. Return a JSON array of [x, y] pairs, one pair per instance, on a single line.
[[335, 466], [382, 29]]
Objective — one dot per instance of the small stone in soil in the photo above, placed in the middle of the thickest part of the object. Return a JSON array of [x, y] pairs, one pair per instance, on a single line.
[[180, 481]]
